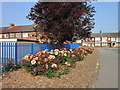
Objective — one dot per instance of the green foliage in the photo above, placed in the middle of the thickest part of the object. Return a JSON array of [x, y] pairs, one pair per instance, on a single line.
[[64, 59], [29, 69], [10, 66], [50, 73], [59, 74], [73, 65]]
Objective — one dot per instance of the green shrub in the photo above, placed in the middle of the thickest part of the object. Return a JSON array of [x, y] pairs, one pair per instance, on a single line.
[[54, 63]]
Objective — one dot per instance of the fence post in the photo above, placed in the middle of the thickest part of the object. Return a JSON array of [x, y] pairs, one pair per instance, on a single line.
[[2, 52], [15, 53], [32, 48]]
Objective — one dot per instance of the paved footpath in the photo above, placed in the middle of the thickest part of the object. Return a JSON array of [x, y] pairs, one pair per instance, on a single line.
[[108, 73]]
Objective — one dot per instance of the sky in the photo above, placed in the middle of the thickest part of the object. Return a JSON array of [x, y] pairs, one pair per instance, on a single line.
[[106, 17], [16, 12]]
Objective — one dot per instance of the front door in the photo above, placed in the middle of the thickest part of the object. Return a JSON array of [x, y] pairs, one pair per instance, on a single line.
[[109, 45]]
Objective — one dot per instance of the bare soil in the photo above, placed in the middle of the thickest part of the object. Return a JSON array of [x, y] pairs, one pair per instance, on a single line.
[[77, 78]]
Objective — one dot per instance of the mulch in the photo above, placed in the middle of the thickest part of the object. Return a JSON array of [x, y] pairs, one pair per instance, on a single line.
[[79, 77]]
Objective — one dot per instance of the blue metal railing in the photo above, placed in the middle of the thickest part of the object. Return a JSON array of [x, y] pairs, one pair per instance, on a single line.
[[15, 51]]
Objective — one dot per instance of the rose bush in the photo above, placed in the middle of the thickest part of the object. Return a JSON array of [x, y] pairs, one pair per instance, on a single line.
[[54, 63], [9, 65]]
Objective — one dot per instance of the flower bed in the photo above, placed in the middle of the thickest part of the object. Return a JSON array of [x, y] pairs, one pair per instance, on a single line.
[[54, 63], [9, 65]]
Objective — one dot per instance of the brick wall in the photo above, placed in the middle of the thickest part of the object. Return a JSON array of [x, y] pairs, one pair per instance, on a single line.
[[29, 35]]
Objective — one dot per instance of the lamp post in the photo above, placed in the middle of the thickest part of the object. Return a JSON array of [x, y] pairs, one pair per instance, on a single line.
[[101, 38]]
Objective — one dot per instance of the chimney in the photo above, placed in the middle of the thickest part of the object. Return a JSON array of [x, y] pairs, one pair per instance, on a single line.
[[100, 31], [11, 25]]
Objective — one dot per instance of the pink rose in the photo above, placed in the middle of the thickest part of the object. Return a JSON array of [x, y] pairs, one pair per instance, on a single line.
[[54, 65]]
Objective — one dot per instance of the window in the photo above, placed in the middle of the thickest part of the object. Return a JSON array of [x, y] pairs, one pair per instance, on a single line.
[[89, 44], [116, 39], [113, 39], [6, 36], [86, 39], [109, 38], [0, 35], [97, 44], [104, 44], [78, 41], [17, 35], [92, 44], [11, 35], [92, 39], [118, 44], [85, 44], [104, 38], [25, 34], [33, 35], [39, 34], [97, 38]]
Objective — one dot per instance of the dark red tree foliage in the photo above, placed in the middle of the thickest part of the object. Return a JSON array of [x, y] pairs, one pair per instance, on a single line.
[[63, 20]]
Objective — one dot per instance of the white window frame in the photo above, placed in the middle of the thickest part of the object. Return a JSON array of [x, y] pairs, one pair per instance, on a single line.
[[78, 41], [104, 43], [33, 34], [108, 38], [97, 44], [117, 39], [11, 35], [85, 44], [113, 39], [93, 39], [25, 34], [97, 38], [104, 38], [87, 39], [5, 35], [0, 35], [17, 34]]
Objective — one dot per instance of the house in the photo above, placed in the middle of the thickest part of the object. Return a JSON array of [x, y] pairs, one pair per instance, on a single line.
[[20, 32], [103, 40], [27, 33]]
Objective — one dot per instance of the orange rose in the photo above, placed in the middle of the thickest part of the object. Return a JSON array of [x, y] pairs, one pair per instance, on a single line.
[[46, 66], [51, 57], [36, 58], [46, 59], [43, 55]]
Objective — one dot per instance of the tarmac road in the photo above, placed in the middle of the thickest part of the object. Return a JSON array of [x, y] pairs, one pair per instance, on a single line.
[[108, 73]]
